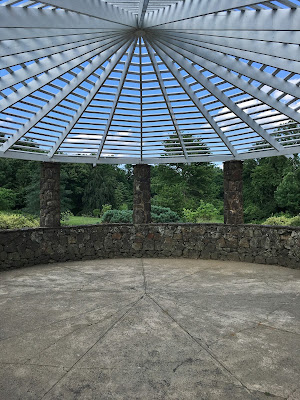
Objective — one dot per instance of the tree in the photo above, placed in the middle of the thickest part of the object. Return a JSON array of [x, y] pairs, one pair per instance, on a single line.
[[7, 199], [287, 194]]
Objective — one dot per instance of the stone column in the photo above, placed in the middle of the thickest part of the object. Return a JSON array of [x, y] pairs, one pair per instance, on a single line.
[[141, 194], [233, 192], [50, 195]]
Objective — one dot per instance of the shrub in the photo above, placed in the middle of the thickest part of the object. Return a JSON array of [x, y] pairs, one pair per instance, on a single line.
[[281, 220], [105, 207], [15, 221], [189, 215], [295, 221], [117, 216], [158, 214], [96, 212], [253, 213], [205, 211], [163, 214], [65, 216]]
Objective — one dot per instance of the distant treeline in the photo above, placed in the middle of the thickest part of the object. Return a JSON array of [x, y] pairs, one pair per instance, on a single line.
[[271, 186]]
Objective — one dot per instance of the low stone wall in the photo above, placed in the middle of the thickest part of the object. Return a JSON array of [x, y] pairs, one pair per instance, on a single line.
[[251, 243]]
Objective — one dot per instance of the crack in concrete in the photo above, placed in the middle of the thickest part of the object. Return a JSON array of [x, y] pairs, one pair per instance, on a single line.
[[58, 321], [204, 347], [294, 391], [90, 348], [79, 328], [144, 276]]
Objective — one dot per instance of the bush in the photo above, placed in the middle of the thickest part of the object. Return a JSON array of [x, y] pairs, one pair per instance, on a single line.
[[281, 220], [7, 199], [105, 207], [65, 216], [96, 212], [158, 214], [163, 214], [117, 216], [190, 216], [253, 213], [205, 211], [295, 221], [15, 221]]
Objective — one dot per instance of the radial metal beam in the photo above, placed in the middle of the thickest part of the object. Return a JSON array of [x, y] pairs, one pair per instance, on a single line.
[[21, 57], [11, 33], [281, 37], [34, 18], [49, 65], [233, 64], [217, 93], [263, 20], [275, 55], [142, 11], [185, 86], [19, 46], [109, 68], [237, 82], [96, 8], [166, 98], [188, 9], [81, 77], [117, 96], [44, 79], [221, 43]]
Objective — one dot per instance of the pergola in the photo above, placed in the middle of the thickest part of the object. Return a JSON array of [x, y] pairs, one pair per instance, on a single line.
[[149, 81]]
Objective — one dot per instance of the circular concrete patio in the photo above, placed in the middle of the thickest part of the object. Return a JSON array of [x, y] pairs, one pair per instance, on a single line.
[[150, 329]]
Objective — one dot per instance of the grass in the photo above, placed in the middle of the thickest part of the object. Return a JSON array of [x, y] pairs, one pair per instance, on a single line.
[[93, 221], [217, 220], [82, 221]]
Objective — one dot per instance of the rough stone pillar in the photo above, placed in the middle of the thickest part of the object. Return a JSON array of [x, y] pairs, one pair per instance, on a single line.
[[141, 194], [233, 192], [50, 195]]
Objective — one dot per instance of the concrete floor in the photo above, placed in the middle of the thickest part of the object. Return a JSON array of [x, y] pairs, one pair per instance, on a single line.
[[150, 329]]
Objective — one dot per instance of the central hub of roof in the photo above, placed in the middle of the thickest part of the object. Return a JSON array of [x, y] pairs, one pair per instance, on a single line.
[[140, 33]]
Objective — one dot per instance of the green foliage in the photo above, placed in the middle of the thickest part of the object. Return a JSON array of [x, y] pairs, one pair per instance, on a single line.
[[271, 186], [96, 212], [66, 215], [253, 213], [16, 221], [105, 207], [189, 215], [180, 186], [285, 220], [163, 215], [7, 199], [158, 214], [295, 221], [99, 213], [281, 220], [287, 193], [204, 212], [117, 216]]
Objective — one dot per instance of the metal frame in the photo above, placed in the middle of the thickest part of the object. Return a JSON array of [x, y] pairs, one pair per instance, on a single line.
[[149, 81]]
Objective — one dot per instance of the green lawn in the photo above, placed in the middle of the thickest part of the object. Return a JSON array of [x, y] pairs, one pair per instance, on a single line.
[[218, 220], [82, 221], [93, 220]]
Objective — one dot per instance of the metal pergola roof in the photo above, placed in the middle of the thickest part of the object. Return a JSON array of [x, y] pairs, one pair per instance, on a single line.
[[149, 81]]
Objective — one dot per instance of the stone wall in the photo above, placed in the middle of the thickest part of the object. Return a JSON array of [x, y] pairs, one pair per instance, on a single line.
[[251, 243]]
